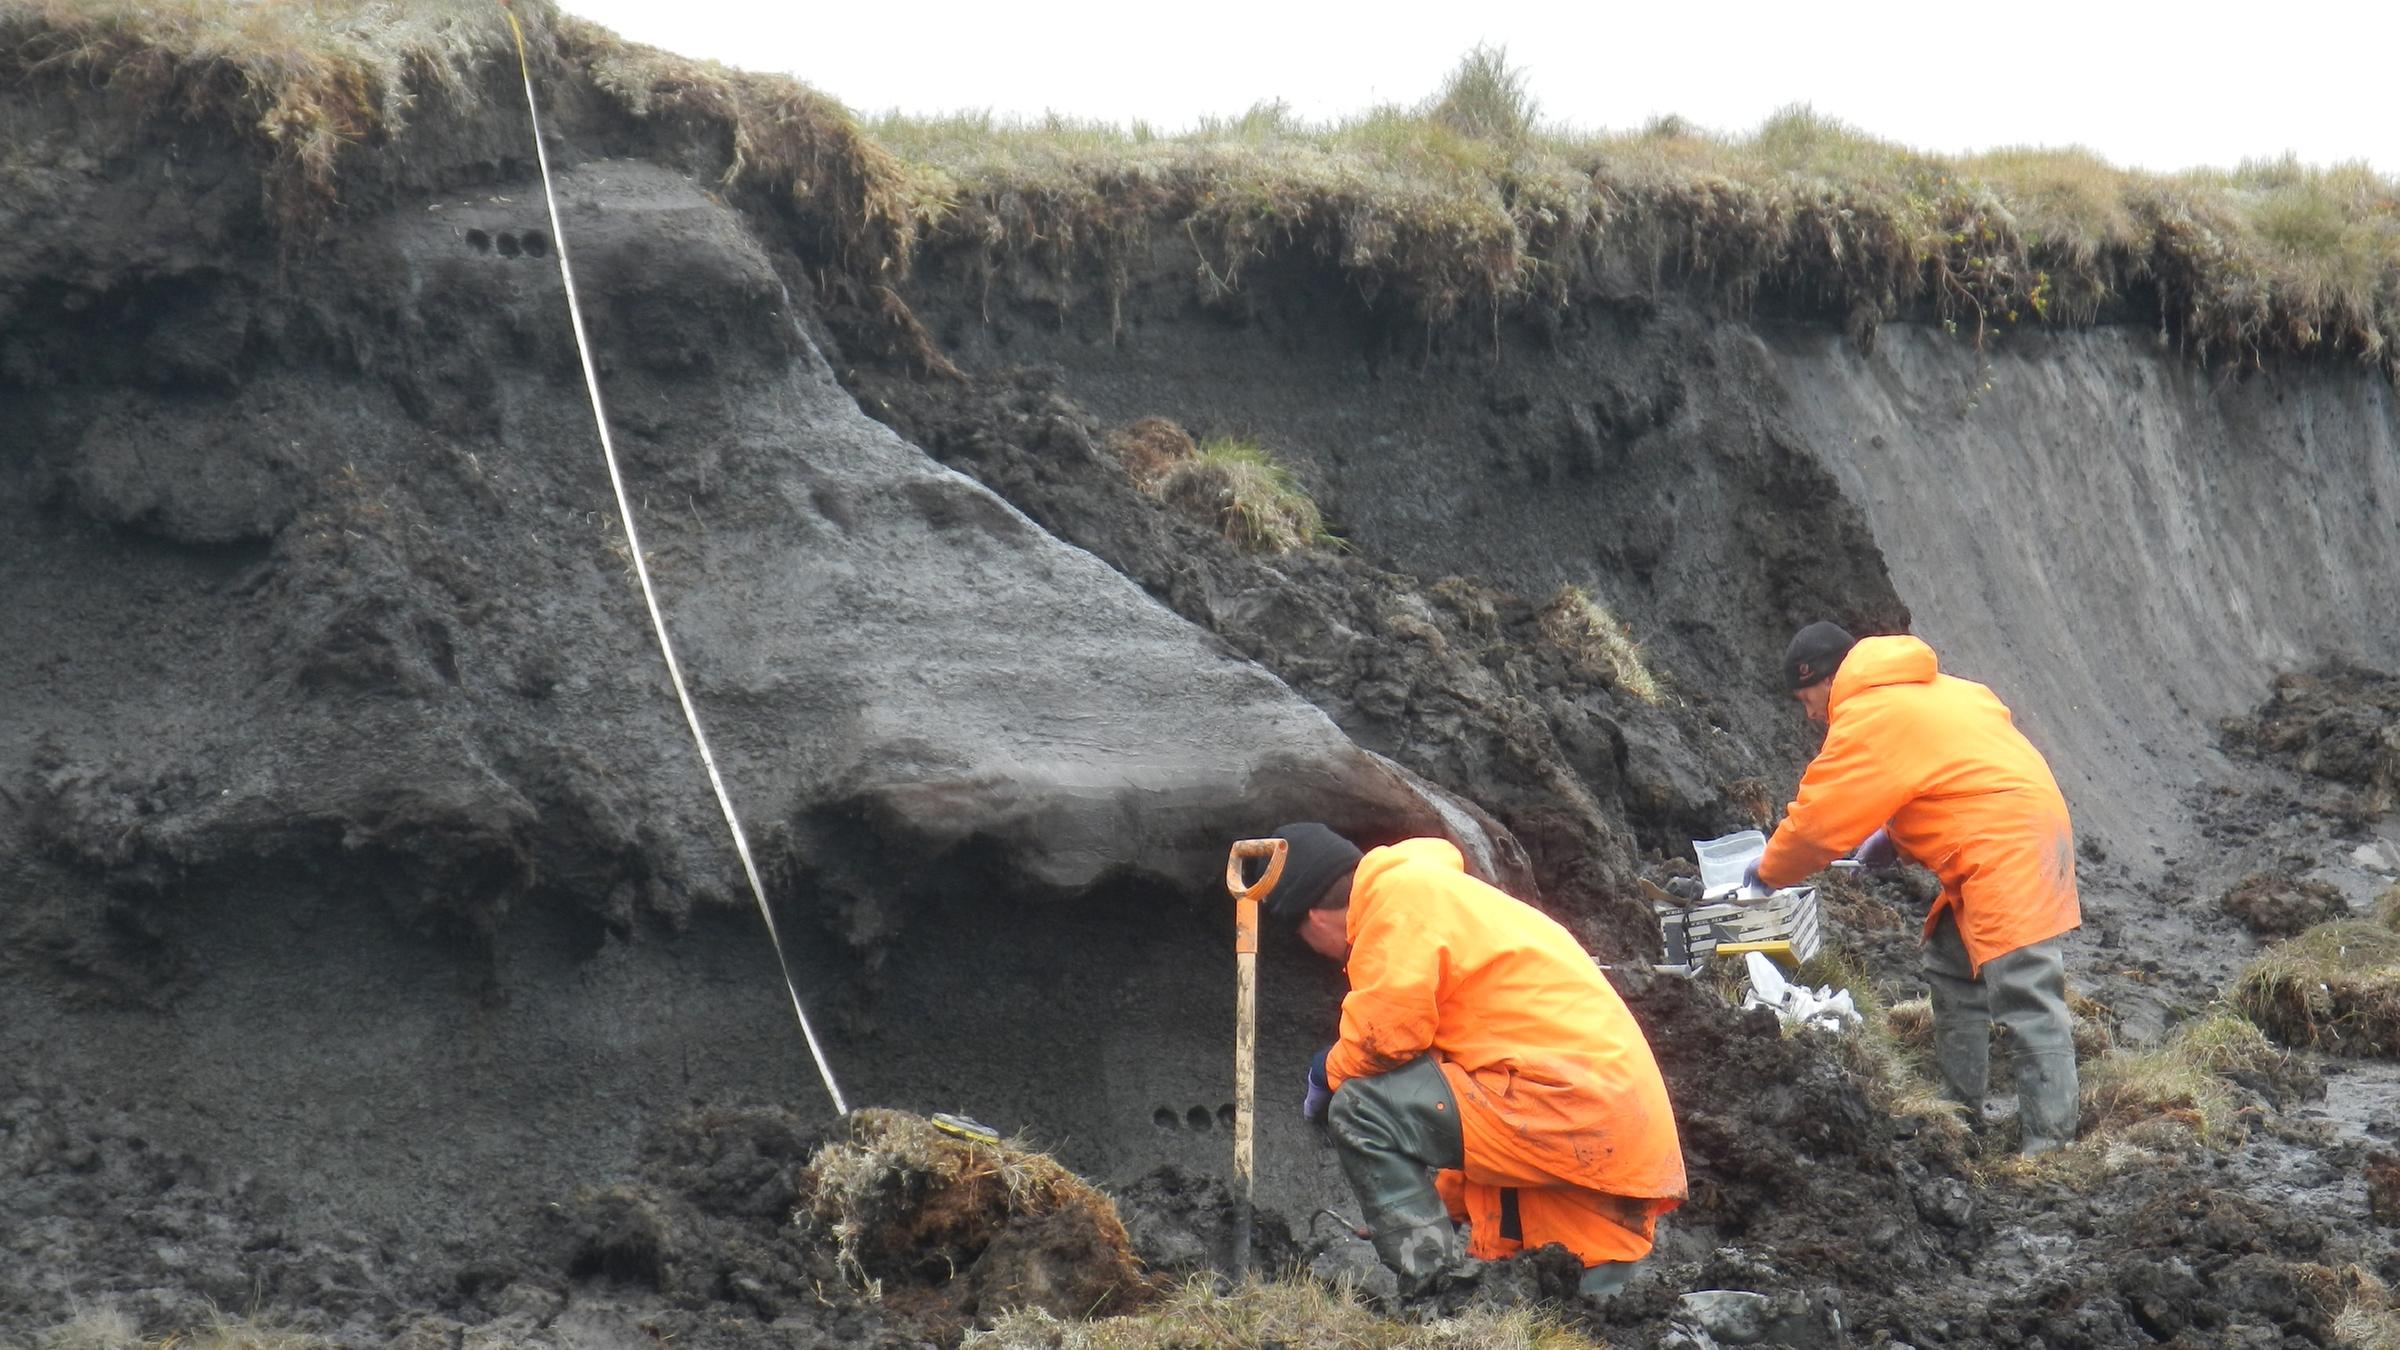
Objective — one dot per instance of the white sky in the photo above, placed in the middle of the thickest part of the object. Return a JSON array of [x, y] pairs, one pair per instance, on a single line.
[[2149, 85]]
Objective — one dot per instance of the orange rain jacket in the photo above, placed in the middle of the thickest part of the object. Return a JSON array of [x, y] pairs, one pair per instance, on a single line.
[[1940, 761], [1560, 1102]]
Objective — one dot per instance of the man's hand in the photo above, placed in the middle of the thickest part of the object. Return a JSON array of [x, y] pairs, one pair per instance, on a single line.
[[1750, 881], [1320, 1097], [1879, 853]]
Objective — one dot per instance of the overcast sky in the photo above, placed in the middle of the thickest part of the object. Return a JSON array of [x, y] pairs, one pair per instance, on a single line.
[[2149, 85]]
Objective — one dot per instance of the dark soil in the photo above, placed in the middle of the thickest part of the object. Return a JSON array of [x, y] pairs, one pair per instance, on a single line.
[[2278, 906], [2339, 724]]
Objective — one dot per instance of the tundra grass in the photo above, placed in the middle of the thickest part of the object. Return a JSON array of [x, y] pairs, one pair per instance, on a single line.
[[1289, 1312], [1465, 205], [1251, 497], [2182, 1081], [2335, 987], [1461, 207], [1585, 629]]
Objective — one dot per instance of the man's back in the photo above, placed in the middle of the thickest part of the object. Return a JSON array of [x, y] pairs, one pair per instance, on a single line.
[[1441, 963], [1939, 762]]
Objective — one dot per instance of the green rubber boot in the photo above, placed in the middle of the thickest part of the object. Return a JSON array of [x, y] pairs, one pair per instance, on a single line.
[[1391, 1132]]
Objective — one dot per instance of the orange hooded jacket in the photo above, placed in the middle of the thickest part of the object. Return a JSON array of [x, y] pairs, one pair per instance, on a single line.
[[1939, 761], [1560, 1101]]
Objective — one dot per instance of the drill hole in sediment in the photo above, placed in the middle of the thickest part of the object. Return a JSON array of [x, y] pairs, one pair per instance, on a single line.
[[537, 244], [1198, 1118], [479, 241], [1225, 1115], [1165, 1118], [507, 244]]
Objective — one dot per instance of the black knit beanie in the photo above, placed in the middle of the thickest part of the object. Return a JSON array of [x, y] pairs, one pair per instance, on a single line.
[[1816, 652], [1316, 860]]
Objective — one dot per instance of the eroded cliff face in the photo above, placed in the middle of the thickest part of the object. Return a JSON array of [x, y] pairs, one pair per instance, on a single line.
[[2126, 544], [354, 847]]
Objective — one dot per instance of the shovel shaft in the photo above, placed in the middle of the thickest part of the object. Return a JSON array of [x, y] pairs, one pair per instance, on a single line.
[[1245, 1025], [1245, 1098]]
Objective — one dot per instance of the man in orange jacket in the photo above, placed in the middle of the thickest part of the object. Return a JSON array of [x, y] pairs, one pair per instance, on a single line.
[[1487, 1071], [1926, 765]]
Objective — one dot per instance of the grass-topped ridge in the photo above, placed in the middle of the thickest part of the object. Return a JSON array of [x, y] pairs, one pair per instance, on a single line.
[[326, 92], [1463, 206], [310, 85]]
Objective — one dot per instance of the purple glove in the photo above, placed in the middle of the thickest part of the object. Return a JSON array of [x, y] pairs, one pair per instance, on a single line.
[[1750, 876], [1320, 1097], [1879, 853]]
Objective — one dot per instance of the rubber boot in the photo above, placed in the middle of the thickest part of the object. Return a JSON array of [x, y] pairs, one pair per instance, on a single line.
[[2029, 996], [1391, 1131], [2049, 1101], [1962, 1055], [1606, 1280], [1962, 1020]]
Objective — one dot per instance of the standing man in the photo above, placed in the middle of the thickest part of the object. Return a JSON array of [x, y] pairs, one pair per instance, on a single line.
[[1925, 765], [1487, 1071]]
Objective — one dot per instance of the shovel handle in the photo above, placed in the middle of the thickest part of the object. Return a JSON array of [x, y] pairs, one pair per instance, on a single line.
[[1245, 895]]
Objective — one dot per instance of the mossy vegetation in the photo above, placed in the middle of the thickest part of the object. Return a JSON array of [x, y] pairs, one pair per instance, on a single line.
[[2335, 987], [1250, 496]]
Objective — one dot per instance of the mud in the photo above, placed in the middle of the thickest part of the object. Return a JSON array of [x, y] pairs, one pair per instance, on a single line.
[[374, 959], [2339, 724]]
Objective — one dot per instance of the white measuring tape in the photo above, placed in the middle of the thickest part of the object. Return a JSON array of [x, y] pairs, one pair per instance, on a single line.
[[641, 569]]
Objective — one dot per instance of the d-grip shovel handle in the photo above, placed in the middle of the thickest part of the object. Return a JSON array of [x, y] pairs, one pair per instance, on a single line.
[[1245, 894]]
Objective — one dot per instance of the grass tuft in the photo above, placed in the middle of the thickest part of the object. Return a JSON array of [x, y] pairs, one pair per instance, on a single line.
[[1485, 97], [1248, 494], [2180, 1081], [1594, 638], [2367, 1320], [1891, 1050], [2335, 987], [900, 1198], [1259, 1315], [94, 1329]]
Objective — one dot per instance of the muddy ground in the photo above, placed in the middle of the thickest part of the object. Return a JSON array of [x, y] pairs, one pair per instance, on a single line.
[[374, 961]]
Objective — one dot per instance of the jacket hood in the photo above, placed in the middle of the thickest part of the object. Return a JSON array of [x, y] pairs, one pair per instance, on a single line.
[[1878, 661], [1428, 851]]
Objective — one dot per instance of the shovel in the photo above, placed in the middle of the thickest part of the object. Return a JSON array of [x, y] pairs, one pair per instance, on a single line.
[[1245, 1024]]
